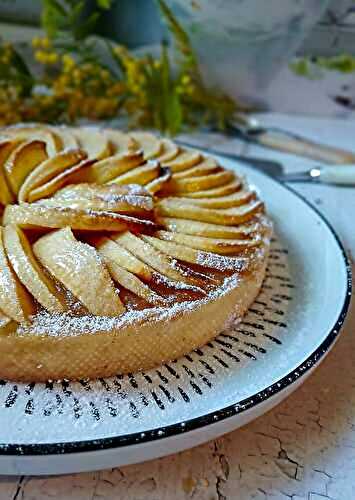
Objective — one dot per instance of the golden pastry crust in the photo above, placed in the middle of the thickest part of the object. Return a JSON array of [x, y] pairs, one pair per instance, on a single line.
[[146, 250]]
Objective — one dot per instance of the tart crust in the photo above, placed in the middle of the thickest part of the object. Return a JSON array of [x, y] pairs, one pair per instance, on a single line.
[[138, 346]]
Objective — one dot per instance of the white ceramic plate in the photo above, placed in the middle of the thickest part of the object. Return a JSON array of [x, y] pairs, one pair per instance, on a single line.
[[62, 428]]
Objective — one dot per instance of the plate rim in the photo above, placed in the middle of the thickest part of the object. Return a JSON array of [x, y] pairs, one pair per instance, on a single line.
[[172, 430]]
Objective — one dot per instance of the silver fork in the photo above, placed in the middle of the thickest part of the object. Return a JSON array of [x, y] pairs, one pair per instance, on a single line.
[[331, 174], [250, 129]]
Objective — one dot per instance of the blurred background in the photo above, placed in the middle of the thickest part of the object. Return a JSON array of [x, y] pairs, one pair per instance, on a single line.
[[248, 50], [137, 22]]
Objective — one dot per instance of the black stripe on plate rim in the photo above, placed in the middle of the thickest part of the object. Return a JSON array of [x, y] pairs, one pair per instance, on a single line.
[[218, 415]]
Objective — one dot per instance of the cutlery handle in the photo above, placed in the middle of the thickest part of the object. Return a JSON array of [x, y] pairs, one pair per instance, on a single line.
[[338, 174], [292, 143]]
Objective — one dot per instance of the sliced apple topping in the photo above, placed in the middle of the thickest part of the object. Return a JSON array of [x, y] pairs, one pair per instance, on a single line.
[[22, 161], [29, 272], [111, 250], [51, 139], [79, 268], [109, 168], [143, 233], [102, 192], [37, 216], [193, 184], [93, 142], [48, 169], [63, 179], [6, 148], [15, 301], [67, 139], [120, 142], [139, 175], [227, 217], [207, 229], [221, 246], [226, 189], [194, 256], [231, 200], [187, 158], [132, 283], [169, 151], [160, 182], [131, 199], [151, 145], [208, 166], [153, 257]]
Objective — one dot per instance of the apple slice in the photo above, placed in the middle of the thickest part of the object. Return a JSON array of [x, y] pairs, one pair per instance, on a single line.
[[132, 283], [106, 197], [92, 141], [112, 251], [29, 272], [7, 325], [136, 206], [79, 268], [187, 158], [48, 169], [222, 246], [15, 301], [39, 216], [139, 175], [149, 143], [194, 184], [169, 151], [160, 182], [7, 146], [208, 166], [194, 256], [231, 200], [102, 192], [62, 179], [35, 132], [224, 190], [226, 217], [56, 138], [107, 169], [120, 142], [67, 139], [152, 257], [197, 228], [22, 161]]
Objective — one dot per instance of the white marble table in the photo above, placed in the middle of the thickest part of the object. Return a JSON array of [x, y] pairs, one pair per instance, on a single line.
[[302, 450]]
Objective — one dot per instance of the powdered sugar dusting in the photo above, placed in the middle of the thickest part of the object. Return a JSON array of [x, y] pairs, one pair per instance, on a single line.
[[68, 325], [221, 262]]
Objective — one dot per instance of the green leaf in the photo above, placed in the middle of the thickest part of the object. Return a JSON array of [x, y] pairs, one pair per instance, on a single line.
[[174, 115], [115, 58], [171, 109], [84, 29], [165, 71], [76, 11], [345, 63], [301, 67], [104, 4], [181, 38], [53, 18], [17, 73], [68, 16], [19, 63]]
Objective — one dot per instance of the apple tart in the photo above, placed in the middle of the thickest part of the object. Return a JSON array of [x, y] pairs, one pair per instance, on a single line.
[[118, 252]]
